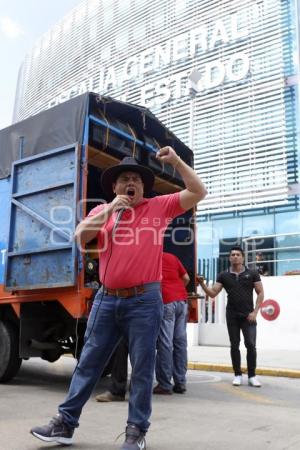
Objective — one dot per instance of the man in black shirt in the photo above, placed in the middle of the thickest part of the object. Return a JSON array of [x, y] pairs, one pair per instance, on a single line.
[[239, 282]]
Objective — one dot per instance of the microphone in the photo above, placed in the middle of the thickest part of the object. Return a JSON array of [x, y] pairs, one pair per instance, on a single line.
[[119, 215]]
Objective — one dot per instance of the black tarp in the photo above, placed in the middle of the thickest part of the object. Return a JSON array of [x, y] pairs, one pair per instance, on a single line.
[[64, 125], [53, 128]]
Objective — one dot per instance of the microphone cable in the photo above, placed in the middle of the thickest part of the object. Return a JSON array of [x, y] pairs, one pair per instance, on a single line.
[[117, 221]]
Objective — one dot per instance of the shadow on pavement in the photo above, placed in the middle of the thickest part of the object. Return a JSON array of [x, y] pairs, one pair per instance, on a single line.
[[53, 376]]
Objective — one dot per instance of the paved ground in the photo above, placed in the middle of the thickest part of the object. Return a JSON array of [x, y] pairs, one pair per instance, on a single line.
[[212, 415], [284, 363]]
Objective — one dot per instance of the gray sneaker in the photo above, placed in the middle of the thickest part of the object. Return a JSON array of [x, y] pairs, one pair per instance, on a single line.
[[135, 439], [56, 431]]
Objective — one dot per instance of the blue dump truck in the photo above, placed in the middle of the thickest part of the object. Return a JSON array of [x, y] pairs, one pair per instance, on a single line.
[[50, 171]]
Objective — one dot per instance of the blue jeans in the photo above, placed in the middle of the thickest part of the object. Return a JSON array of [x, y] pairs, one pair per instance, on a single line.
[[119, 371], [171, 357], [138, 319]]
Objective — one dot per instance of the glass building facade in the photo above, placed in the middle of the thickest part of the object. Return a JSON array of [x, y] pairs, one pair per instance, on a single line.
[[222, 74]]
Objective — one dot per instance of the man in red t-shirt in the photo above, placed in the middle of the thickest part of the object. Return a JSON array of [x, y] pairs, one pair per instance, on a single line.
[[129, 230], [171, 356]]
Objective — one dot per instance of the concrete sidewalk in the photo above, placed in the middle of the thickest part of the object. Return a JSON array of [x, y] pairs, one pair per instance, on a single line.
[[281, 363]]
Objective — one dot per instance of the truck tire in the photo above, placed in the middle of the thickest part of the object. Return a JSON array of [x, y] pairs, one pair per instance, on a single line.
[[10, 361]]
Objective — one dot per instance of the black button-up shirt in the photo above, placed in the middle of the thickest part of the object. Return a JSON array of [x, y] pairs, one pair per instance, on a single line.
[[239, 288]]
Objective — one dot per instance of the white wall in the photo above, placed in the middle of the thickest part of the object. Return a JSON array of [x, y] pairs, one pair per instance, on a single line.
[[282, 333]]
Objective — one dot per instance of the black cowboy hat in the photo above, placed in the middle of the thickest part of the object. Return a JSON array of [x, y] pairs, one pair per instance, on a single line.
[[127, 164]]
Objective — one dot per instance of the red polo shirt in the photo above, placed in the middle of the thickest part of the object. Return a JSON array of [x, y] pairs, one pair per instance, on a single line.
[[173, 288], [133, 256]]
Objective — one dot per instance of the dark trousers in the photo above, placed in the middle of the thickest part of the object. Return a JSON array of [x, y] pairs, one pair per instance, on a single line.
[[235, 325], [119, 369]]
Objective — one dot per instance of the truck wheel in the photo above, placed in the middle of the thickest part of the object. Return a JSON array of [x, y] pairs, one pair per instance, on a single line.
[[9, 352]]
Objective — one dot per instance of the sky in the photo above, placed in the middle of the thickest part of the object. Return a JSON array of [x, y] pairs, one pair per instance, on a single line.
[[22, 22]]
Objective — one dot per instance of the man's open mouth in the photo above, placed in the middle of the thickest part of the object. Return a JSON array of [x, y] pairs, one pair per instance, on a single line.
[[130, 192]]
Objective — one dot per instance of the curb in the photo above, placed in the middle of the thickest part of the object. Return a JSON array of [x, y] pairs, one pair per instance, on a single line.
[[271, 372]]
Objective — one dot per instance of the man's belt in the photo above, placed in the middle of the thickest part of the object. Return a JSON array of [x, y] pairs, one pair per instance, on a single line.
[[132, 291], [125, 292]]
